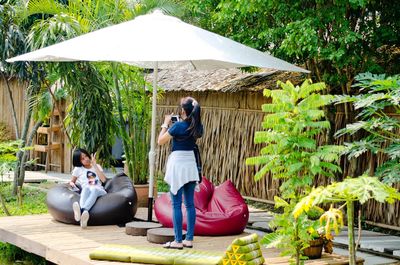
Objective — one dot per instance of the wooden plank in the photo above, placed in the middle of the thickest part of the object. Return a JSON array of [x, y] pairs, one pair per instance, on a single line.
[[70, 244], [47, 130], [45, 148]]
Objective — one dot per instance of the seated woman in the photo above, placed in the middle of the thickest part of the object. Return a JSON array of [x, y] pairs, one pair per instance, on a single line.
[[90, 175]]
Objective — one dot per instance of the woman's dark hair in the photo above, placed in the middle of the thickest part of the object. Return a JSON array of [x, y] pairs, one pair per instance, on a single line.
[[76, 157], [192, 110]]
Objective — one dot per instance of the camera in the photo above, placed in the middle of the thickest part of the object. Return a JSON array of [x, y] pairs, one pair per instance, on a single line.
[[174, 118]]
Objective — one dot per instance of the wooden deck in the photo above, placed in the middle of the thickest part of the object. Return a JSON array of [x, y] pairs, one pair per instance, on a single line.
[[69, 244]]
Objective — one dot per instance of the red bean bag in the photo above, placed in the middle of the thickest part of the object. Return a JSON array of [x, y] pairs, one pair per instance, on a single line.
[[220, 210]]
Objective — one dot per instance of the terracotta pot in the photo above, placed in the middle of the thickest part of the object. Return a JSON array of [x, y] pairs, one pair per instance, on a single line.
[[314, 251], [142, 192]]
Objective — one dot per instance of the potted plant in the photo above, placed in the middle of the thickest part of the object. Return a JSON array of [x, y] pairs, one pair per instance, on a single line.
[[350, 190], [135, 132], [291, 154], [321, 222]]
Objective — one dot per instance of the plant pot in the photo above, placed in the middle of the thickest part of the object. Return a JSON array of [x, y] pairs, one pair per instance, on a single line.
[[142, 191], [314, 251]]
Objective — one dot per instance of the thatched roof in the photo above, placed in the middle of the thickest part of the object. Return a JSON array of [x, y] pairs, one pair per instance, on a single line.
[[222, 80]]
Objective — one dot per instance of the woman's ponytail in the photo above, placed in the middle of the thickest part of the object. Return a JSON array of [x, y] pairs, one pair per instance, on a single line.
[[193, 111]]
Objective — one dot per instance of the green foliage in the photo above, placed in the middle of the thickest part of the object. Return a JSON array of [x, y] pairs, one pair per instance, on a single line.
[[11, 254], [335, 39], [33, 201], [379, 95], [12, 42], [350, 190], [291, 153], [292, 234], [135, 100], [43, 106], [314, 213], [359, 189], [136, 103], [162, 186], [8, 158], [89, 118]]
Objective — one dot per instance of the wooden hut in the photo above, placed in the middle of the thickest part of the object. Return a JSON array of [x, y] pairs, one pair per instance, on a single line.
[[231, 112]]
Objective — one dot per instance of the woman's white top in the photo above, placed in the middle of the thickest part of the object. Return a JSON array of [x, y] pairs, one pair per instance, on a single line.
[[87, 176], [181, 169]]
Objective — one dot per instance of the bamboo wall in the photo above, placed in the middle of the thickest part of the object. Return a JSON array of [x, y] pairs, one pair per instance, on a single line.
[[17, 90], [230, 120]]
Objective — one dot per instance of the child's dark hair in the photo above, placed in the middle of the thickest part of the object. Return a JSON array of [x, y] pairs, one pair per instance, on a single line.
[[192, 109], [90, 174], [76, 157]]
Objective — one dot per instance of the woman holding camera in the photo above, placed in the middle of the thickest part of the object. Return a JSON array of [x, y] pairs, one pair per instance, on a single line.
[[181, 170]]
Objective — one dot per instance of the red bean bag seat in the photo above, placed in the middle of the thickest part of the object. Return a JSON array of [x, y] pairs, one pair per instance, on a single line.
[[220, 210]]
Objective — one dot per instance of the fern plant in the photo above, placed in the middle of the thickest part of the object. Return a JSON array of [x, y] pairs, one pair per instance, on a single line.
[[291, 153], [378, 96]]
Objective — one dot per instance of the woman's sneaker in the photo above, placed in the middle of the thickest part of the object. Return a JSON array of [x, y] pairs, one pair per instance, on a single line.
[[77, 211], [84, 219]]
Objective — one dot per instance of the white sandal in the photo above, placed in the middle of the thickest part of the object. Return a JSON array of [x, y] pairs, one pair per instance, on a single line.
[[173, 245]]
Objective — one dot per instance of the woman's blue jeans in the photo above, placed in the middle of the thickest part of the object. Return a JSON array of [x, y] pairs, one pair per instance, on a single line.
[[89, 195], [188, 192]]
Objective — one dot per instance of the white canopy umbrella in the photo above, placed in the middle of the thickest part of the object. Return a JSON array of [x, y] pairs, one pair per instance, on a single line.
[[157, 41]]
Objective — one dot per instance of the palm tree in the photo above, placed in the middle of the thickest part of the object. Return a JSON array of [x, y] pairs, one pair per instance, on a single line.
[[59, 22], [13, 42]]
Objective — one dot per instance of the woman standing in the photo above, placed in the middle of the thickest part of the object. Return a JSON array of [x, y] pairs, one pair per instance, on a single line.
[[90, 175], [181, 170]]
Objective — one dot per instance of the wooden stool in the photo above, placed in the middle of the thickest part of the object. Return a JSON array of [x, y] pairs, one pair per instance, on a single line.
[[140, 228], [162, 235]]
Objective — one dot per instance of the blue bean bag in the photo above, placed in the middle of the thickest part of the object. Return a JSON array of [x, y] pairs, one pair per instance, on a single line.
[[118, 206]]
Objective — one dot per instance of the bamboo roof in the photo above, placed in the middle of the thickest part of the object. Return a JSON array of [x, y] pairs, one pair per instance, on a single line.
[[222, 80]]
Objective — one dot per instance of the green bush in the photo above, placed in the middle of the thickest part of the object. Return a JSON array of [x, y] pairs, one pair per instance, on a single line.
[[11, 254]]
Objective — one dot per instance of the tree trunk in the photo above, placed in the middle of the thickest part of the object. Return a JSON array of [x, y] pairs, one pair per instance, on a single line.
[[21, 178], [17, 170], [350, 225], [14, 114]]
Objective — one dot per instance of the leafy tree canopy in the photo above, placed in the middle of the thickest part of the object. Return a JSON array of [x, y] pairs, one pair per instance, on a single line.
[[335, 39]]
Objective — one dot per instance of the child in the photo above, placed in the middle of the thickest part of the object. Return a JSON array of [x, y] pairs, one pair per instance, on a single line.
[[90, 175]]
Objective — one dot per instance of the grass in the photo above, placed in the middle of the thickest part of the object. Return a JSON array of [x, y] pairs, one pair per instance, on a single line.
[[33, 202]]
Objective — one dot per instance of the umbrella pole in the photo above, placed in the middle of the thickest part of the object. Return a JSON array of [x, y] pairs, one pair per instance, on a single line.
[[152, 153]]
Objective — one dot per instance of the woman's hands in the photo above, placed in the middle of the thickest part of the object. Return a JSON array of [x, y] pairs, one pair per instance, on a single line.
[[94, 162], [164, 137], [98, 168], [167, 119], [72, 182]]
